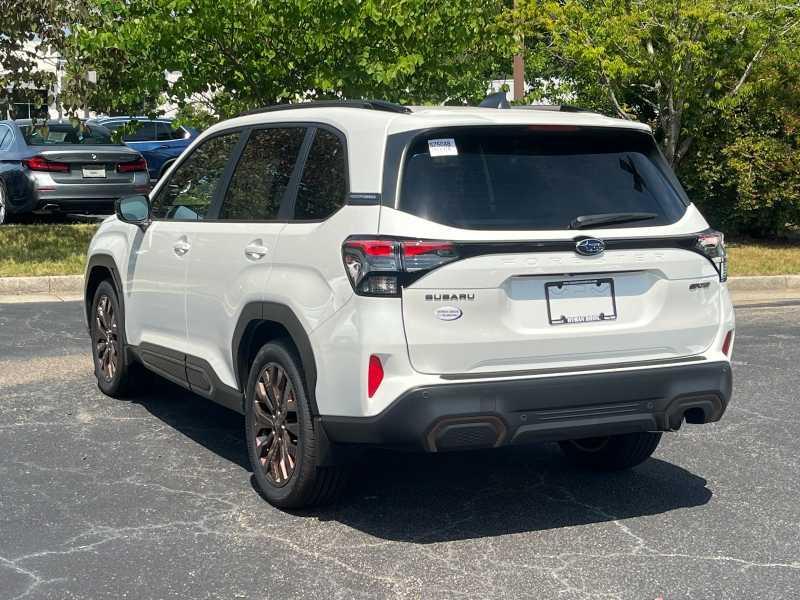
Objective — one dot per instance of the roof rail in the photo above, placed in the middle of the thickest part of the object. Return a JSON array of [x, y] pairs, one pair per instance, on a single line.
[[382, 105], [555, 108]]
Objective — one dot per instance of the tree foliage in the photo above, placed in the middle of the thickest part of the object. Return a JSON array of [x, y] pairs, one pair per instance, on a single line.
[[702, 73], [237, 54], [745, 166], [716, 79], [30, 30]]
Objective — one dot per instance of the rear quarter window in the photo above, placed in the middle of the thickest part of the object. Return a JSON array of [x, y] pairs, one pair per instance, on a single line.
[[524, 177], [323, 186]]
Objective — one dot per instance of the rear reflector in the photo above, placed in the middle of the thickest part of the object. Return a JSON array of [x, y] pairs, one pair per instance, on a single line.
[[40, 163], [132, 166], [726, 345], [374, 375]]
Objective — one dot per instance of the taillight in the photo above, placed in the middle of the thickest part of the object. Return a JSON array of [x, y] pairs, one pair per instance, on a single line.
[[132, 166], [380, 267], [374, 375], [40, 163], [711, 244]]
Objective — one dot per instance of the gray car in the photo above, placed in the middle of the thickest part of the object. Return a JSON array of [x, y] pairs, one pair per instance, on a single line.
[[59, 167]]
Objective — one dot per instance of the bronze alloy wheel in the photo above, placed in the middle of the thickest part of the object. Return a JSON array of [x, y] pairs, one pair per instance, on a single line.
[[276, 424], [106, 338]]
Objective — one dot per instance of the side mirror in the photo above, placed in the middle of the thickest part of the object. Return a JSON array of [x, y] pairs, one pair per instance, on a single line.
[[134, 210]]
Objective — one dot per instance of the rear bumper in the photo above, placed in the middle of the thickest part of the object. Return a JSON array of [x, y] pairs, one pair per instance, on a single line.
[[486, 414], [98, 196], [75, 205]]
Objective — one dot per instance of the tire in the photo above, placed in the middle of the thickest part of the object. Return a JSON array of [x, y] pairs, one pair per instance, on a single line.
[[164, 169], [612, 453], [115, 377], [286, 467], [4, 213]]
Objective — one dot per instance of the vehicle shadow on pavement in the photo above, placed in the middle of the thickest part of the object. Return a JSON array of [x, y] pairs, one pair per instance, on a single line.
[[215, 427], [429, 498]]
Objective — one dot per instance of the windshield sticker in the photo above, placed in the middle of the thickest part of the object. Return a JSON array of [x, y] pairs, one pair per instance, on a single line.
[[443, 147]]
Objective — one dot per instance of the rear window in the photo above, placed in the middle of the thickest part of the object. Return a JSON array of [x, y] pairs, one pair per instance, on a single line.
[[536, 178], [64, 134]]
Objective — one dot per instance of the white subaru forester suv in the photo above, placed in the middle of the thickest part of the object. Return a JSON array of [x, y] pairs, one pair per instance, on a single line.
[[360, 273]]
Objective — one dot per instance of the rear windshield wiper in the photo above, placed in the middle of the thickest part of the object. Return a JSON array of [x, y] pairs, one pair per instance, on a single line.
[[585, 221]]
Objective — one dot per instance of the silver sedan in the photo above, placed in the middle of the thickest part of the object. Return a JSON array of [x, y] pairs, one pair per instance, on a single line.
[[59, 167]]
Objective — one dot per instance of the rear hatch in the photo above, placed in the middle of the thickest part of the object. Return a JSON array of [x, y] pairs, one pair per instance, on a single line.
[[569, 248], [80, 154]]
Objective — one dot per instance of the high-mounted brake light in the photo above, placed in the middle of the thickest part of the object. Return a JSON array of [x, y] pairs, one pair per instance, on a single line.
[[711, 244], [40, 163], [132, 166], [380, 267]]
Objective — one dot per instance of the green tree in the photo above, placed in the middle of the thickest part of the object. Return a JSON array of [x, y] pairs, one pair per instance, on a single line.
[[29, 31], [745, 164], [667, 62], [716, 79], [236, 54]]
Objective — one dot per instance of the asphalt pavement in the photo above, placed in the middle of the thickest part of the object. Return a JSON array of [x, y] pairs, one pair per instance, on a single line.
[[152, 498]]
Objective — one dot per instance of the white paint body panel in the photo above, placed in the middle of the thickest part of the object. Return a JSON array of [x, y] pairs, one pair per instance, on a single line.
[[222, 279], [155, 309]]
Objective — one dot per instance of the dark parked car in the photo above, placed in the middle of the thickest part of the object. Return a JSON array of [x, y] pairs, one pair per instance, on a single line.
[[158, 140], [51, 167]]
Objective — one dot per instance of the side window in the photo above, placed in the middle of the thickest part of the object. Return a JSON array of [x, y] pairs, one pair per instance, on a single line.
[[262, 174], [189, 192], [323, 187], [165, 132], [144, 132]]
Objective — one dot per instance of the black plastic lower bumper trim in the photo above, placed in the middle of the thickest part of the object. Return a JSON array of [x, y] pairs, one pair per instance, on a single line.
[[484, 414]]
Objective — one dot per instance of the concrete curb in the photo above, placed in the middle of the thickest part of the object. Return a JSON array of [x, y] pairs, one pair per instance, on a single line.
[[50, 285], [70, 284], [770, 283]]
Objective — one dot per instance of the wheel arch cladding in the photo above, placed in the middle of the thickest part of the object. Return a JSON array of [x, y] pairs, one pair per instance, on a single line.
[[100, 268], [263, 322]]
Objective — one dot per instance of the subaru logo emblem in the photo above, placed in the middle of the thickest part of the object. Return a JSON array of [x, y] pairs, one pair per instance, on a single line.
[[590, 247]]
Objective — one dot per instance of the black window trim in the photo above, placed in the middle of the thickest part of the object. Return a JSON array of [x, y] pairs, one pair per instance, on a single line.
[[286, 210], [242, 131], [293, 200], [288, 202], [233, 162]]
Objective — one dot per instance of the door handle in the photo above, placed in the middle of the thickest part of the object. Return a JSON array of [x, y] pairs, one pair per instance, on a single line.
[[255, 251], [181, 248]]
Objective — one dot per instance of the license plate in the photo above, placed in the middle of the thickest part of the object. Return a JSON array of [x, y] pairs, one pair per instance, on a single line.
[[94, 172], [584, 301]]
